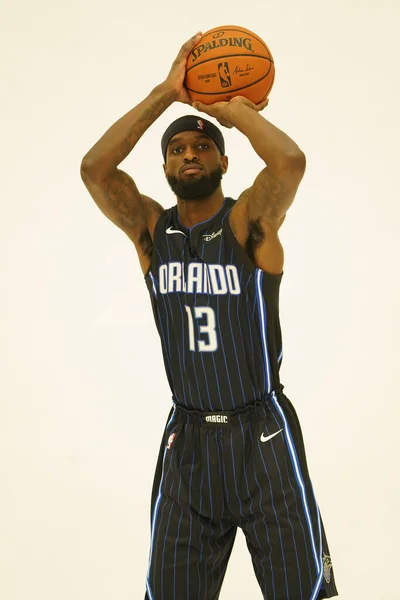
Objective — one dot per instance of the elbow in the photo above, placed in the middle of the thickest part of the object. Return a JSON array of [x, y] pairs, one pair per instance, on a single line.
[[289, 162], [96, 169], [91, 170], [87, 165], [296, 161], [298, 157]]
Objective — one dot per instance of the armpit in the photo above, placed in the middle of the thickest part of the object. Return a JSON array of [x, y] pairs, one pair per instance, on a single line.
[[255, 238], [146, 243]]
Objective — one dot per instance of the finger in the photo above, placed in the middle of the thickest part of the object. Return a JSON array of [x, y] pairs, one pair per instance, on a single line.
[[263, 104], [190, 44], [201, 107]]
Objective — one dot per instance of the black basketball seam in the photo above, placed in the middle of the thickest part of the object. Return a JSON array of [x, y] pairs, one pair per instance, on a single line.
[[231, 56], [241, 31], [226, 92]]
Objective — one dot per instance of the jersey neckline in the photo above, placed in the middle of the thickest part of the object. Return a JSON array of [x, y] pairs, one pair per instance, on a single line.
[[190, 229]]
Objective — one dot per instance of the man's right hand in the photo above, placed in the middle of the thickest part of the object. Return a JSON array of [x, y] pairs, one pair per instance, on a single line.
[[177, 73]]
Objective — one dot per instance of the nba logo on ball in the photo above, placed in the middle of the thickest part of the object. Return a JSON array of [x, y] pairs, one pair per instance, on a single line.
[[223, 72], [171, 440]]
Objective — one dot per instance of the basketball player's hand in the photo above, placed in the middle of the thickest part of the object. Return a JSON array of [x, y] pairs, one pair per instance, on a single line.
[[177, 73], [220, 110]]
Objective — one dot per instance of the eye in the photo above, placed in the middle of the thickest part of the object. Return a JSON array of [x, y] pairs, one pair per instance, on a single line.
[[203, 145], [176, 150]]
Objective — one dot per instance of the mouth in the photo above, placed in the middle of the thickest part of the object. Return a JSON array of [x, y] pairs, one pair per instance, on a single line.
[[188, 169]]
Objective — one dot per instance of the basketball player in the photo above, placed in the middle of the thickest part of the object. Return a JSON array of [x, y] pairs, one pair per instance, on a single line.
[[232, 455]]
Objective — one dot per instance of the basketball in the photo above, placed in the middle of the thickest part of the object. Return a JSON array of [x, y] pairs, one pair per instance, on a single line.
[[229, 61]]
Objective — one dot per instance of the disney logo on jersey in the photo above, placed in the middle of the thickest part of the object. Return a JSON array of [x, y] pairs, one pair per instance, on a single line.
[[210, 236]]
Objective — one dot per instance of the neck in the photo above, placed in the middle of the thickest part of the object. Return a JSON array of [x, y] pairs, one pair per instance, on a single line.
[[192, 212]]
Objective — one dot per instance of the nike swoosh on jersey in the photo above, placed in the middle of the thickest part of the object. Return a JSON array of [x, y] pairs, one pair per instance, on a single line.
[[264, 438], [170, 230]]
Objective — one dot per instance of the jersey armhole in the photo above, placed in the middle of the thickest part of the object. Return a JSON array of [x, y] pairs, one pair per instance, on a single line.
[[242, 252], [158, 231]]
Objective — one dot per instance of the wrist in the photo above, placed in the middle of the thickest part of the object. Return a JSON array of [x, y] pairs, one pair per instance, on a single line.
[[235, 110], [167, 91]]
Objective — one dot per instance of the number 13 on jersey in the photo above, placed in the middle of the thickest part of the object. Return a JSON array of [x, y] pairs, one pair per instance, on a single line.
[[207, 313]]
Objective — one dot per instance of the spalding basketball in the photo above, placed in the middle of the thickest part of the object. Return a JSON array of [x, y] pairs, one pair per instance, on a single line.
[[229, 61]]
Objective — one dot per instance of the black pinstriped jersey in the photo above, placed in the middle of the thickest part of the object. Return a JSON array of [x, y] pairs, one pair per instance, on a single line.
[[217, 314]]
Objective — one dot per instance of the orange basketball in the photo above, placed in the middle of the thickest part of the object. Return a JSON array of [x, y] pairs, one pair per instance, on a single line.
[[229, 61]]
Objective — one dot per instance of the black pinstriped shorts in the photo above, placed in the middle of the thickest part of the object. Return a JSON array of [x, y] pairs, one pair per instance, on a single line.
[[220, 471]]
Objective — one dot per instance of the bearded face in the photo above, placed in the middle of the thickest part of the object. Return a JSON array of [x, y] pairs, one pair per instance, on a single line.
[[192, 187], [194, 165]]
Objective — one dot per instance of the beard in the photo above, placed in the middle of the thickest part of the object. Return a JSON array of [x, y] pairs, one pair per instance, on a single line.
[[198, 188]]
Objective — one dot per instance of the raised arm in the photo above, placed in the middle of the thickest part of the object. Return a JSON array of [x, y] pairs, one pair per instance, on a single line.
[[261, 208], [113, 190]]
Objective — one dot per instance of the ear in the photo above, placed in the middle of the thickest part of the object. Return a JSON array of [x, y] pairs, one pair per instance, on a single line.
[[224, 164], [165, 170]]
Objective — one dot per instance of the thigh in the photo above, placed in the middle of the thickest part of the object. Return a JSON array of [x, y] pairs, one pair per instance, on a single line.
[[170, 426], [190, 542], [285, 534], [189, 555]]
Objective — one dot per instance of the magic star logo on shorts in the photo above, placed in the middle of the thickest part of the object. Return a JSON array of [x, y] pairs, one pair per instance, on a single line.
[[327, 567]]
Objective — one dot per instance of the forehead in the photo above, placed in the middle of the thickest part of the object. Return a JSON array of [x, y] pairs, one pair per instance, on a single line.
[[189, 137]]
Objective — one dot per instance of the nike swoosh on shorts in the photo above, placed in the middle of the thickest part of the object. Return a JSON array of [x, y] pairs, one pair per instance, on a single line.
[[265, 439]]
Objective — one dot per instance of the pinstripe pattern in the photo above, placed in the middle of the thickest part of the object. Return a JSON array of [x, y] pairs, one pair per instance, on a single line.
[[234, 374], [263, 327], [222, 348], [154, 286], [155, 513], [234, 345], [170, 314], [297, 469], [219, 478]]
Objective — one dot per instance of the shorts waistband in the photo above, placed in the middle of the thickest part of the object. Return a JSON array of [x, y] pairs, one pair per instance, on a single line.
[[224, 418]]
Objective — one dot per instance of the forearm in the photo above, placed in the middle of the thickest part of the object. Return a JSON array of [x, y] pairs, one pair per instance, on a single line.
[[118, 141], [272, 145]]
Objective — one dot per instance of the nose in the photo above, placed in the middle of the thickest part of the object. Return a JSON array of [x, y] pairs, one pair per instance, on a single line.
[[190, 155]]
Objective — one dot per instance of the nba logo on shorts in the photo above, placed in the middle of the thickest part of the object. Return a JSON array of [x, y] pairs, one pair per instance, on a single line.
[[171, 440], [224, 76]]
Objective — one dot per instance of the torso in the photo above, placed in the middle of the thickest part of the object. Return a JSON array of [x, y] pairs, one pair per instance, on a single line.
[[216, 309]]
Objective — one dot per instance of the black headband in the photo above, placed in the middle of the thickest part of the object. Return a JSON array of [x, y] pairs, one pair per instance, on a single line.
[[192, 123]]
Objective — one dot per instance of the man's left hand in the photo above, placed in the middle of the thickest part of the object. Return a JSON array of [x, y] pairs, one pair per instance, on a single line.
[[220, 110]]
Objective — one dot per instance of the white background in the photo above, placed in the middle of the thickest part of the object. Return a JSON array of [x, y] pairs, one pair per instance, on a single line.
[[84, 397]]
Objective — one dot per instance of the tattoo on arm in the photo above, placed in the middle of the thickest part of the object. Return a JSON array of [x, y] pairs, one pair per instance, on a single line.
[[268, 197], [148, 117], [125, 200], [274, 190]]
